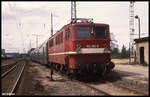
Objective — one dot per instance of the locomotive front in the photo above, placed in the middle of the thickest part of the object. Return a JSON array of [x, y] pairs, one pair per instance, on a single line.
[[90, 48]]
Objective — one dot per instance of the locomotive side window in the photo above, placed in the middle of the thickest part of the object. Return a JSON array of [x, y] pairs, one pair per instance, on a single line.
[[51, 43], [56, 40], [61, 37], [68, 33], [83, 32], [99, 32]]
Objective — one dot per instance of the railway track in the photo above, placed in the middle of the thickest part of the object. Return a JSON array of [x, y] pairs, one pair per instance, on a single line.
[[7, 68], [11, 77], [105, 92], [129, 89], [9, 61], [103, 86], [101, 91], [96, 89]]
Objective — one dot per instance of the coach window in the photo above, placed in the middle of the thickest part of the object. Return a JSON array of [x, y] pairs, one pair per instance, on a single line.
[[99, 32], [68, 33]]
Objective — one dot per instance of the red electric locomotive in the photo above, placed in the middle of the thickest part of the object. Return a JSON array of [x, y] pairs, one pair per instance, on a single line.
[[81, 47]]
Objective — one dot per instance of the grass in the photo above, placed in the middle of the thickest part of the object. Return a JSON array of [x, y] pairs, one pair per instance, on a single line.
[[123, 63], [126, 62]]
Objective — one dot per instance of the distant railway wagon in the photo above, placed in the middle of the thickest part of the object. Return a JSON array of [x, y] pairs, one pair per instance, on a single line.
[[40, 54], [78, 47]]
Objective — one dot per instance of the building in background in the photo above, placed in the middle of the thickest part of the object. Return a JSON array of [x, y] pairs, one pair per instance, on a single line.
[[2, 52], [142, 50], [12, 55]]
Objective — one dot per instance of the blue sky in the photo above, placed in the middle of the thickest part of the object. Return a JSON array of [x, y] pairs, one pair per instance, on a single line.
[[22, 19]]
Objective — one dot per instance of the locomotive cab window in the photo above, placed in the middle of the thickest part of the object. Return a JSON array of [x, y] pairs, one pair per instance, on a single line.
[[99, 32], [83, 32]]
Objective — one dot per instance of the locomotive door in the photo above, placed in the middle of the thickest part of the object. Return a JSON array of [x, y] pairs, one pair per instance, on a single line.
[[68, 40], [67, 44], [141, 55]]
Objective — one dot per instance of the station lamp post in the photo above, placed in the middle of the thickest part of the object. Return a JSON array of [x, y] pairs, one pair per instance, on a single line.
[[137, 17]]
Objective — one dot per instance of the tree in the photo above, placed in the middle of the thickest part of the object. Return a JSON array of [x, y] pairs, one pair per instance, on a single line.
[[124, 53], [114, 47], [115, 53], [113, 42]]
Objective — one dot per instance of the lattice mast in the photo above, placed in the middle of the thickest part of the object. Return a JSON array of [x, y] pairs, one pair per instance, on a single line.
[[131, 29], [51, 24], [73, 10]]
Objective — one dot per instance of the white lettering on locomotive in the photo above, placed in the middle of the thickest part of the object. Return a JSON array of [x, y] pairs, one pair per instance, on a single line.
[[92, 46]]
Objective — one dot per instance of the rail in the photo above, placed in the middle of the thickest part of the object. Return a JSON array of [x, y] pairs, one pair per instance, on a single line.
[[128, 88], [16, 83], [5, 73], [86, 84], [13, 86], [99, 90], [114, 84]]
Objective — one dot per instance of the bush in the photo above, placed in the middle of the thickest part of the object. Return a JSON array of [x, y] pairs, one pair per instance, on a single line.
[[145, 64], [124, 52], [117, 56]]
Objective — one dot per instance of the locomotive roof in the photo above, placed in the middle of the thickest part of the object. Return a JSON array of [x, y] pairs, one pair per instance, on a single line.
[[79, 23], [91, 23], [36, 49]]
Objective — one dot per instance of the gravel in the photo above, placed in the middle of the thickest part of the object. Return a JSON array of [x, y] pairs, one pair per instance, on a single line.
[[36, 82]]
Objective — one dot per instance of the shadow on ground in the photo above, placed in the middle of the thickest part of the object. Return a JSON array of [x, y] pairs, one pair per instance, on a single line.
[[112, 76]]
